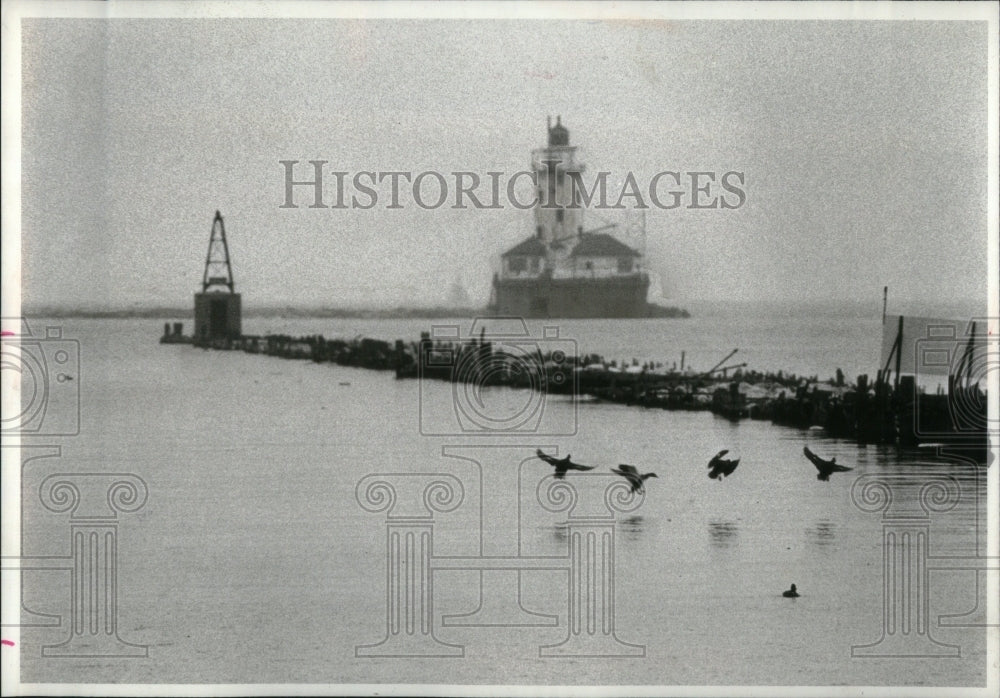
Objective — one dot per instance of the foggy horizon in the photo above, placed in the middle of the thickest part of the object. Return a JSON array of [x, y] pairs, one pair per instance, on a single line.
[[863, 145], [872, 307]]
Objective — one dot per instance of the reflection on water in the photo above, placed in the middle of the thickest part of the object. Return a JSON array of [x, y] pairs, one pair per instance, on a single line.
[[822, 533], [723, 533], [632, 527]]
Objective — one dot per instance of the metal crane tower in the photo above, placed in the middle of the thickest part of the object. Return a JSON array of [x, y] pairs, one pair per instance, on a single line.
[[218, 270], [217, 307]]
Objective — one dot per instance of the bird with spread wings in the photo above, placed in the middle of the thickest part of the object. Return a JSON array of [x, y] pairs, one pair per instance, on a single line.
[[632, 474], [562, 464], [825, 467], [719, 467]]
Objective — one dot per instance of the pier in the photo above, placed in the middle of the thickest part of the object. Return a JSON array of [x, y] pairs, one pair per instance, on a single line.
[[889, 410]]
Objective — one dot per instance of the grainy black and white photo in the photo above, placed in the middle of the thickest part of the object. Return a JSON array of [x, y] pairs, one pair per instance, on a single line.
[[500, 348]]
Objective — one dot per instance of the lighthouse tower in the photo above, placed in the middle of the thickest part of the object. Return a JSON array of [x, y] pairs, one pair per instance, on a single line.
[[557, 213], [561, 270]]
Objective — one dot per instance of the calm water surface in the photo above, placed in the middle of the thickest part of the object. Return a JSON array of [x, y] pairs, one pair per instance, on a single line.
[[253, 562]]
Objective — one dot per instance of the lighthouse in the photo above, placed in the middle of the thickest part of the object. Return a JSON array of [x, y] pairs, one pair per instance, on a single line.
[[562, 270], [557, 211]]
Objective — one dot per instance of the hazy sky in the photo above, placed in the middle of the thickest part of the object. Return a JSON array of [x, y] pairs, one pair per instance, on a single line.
[[863, 146]]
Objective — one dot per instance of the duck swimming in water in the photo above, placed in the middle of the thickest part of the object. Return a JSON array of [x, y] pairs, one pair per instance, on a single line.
[[790, 593]]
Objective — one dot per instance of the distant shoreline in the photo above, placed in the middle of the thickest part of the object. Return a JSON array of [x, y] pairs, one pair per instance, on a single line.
[[163, 313]]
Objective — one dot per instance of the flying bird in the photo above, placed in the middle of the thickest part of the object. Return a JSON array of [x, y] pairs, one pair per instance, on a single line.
[[720, 468], [562, 464], [632, 474], [825, 467]]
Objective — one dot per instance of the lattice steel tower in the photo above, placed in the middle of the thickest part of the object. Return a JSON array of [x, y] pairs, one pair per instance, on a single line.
[[218, 270], [217, 307]]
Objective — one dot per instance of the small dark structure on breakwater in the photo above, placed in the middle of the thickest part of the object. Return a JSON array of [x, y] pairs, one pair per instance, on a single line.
[[884, 411], [175, 336]]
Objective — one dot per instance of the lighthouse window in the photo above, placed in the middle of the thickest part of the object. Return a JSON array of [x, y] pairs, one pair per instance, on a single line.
[[517, 264], [624, 265], [559, 215], [534, 264]]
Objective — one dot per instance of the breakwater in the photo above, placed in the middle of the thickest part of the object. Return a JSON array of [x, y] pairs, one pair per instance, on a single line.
[[867, 411]]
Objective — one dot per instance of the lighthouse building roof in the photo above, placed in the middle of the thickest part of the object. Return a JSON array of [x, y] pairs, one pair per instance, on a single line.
[[532, 247], [588, 245], [602, 245]]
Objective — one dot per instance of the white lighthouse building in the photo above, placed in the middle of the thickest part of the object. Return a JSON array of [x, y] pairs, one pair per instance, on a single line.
[[563, 270]]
